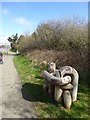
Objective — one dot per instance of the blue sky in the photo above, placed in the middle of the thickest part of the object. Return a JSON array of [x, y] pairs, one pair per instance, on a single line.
[[23, 17]]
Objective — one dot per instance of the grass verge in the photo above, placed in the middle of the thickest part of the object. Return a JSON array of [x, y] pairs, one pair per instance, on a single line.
[[30, 75]]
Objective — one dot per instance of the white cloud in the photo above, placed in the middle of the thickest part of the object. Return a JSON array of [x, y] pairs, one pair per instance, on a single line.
[[22, 21], [5, 11]]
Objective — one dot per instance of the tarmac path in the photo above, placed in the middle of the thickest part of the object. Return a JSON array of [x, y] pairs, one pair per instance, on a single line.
[[13, 105], [0, 91]]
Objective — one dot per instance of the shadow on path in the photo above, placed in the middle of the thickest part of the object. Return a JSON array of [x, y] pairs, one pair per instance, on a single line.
[[36, 91]]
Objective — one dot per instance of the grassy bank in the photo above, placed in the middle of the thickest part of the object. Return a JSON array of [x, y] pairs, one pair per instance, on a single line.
[[32, 82]]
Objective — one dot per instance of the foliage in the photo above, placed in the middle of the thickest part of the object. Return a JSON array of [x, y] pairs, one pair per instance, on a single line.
[[13, 40], [64, 41], [67, 34]]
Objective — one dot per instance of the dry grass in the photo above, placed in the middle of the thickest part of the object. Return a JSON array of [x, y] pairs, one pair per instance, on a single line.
[[75, 59]]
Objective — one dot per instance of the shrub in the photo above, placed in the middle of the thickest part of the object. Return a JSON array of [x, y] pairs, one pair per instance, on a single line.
[[68, 39], [68, 34]]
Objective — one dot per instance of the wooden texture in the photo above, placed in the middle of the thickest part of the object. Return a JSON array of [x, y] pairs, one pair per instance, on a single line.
[[67, 99]]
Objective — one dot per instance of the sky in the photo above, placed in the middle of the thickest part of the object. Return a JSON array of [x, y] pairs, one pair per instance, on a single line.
[[24, 17]]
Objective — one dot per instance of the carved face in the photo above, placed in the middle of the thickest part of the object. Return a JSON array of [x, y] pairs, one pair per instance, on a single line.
[[52, 67]]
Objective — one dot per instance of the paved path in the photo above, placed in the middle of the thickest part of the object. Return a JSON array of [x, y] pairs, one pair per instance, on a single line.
[[13, 103], [0, 91]]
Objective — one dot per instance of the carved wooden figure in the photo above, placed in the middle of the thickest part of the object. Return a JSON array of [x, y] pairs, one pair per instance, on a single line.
[[62, 83]]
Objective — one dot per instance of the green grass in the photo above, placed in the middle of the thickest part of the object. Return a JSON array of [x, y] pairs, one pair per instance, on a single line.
[[32, 83]]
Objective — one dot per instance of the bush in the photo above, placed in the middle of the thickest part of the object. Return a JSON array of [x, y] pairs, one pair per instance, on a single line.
[[68, 34], [68, 39]]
